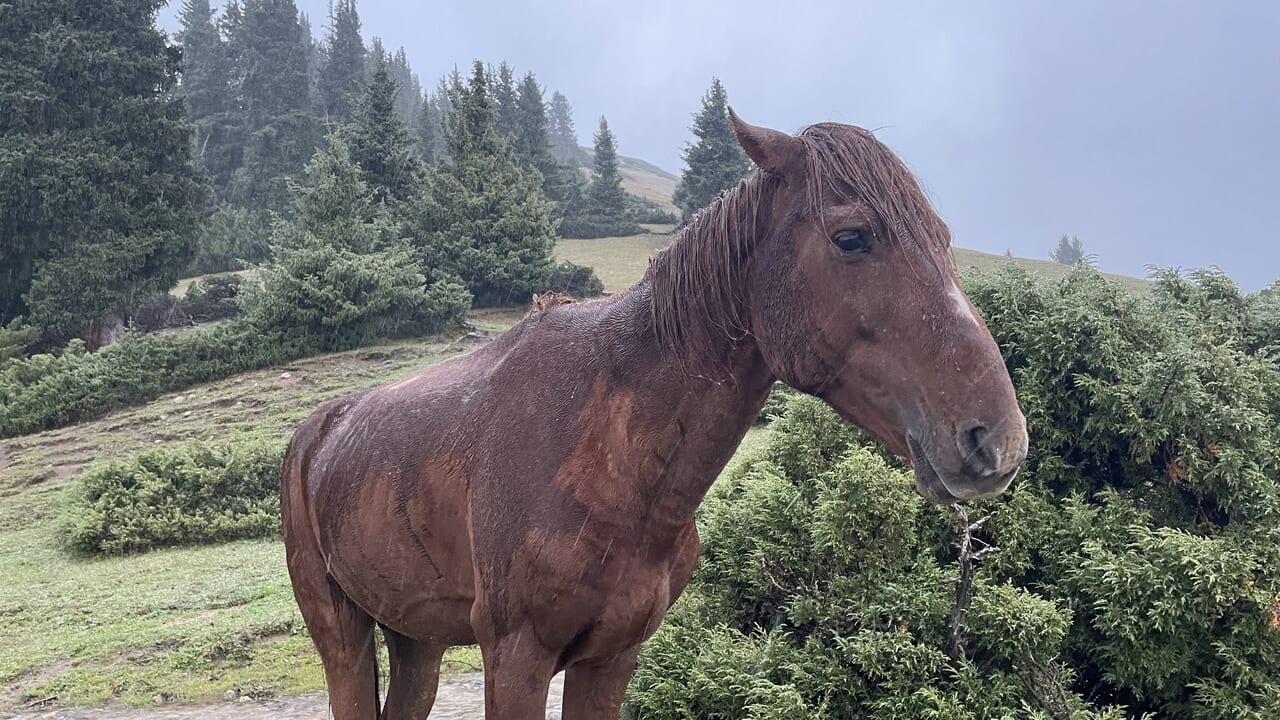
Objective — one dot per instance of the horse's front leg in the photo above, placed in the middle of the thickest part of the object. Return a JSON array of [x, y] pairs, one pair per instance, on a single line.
[[593, 690], [517, 676]]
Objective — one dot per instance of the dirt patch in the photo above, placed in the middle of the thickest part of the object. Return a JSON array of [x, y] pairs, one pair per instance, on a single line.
[[4, 457], [462, 698], [15, 693]]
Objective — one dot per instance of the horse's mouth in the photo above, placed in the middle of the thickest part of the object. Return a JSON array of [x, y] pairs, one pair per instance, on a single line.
[[928, 483]]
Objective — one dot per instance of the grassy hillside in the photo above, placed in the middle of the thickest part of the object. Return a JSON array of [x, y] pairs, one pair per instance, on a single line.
[[621, 261], [641, 178], [179, 624]]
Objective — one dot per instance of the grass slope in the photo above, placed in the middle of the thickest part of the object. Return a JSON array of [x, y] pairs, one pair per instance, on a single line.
[[621, 261], [180, 624], [640, 178]]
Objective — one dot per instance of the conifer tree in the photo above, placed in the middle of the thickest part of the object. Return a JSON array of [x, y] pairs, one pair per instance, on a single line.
[[281, 129], [379, 141], [561, 182], [715, 162], [608, 199], [344, 66], [408, 88], [342, 271], [206, 86], [564, 138], [506, 113], [483, 220], [98, 194], [426, 127]]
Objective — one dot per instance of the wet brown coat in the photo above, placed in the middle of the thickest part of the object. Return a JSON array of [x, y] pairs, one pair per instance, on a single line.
[[537, 495]]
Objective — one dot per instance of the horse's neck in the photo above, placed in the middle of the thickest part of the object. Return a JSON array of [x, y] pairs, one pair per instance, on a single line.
[[691, 423]]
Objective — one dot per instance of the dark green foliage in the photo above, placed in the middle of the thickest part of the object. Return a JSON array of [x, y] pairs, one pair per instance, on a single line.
[[429, 131], [564, 138], [605, 211], [1263, 318], [206, 86], [577, 281], [379, 141], [562, 182], [715, 162], [185, 494], [482, 219], [48, 391], [822, 595], [1068, 251], [506, 114], [231, 238], [212, 298], [1138, 569], [97, 191], [16, 337], [644, 210], [408, 88], [280, 125], [606, 197], [344, 68], [776, 404], [342, 274]]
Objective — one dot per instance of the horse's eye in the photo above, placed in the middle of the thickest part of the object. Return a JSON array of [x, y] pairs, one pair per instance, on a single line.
[[852, 242]]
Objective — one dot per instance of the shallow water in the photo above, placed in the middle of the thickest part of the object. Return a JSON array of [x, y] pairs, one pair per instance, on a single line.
[[462, 698]]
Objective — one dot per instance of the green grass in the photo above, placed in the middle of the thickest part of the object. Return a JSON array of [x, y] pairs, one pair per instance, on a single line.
[[621, 261], [181, 624], [187, 623]]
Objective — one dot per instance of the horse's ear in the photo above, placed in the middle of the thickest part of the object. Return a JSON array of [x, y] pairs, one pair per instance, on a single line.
[[772, 151]]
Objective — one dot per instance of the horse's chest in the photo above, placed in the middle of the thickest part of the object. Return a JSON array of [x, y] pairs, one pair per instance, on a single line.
[[590, 595]]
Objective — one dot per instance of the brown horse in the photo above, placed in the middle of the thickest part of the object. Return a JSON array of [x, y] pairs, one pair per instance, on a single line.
[[537, 496]]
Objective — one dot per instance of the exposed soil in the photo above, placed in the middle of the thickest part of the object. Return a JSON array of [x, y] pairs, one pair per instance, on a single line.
[[462, 698]]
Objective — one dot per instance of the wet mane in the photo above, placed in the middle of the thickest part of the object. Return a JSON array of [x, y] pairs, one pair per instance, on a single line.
[[547, 301], [697, 280]]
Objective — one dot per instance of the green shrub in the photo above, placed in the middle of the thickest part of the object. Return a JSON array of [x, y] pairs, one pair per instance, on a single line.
[[213, 297], [231, 238], [591, 226], [16, 337], [342, 272], [1138, 563], [185, 494], [46, 391], [575, 280]]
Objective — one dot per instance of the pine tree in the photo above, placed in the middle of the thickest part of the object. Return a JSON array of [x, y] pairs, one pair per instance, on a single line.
[[715, 162], [379, 141], [530, 138], [1069, 251], [98, 194], [506, 118], [408, 88], [281, 129], [344, 68], [564, 139], [608, 199], [483, 220], [206, 86], [561, 182], [426, 127], [342, 271]]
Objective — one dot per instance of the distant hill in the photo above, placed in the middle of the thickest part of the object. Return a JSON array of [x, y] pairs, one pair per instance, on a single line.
[[640, 177]]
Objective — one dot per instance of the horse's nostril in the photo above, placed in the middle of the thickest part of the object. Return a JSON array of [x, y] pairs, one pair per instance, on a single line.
[[978, 452]]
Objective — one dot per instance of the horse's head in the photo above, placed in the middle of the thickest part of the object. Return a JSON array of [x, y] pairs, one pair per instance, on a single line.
[[853, 298]]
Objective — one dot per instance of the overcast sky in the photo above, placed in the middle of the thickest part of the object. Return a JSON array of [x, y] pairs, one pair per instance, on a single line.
[[1147, 129]]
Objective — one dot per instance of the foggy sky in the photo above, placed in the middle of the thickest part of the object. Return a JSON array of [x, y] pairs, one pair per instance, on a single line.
[[1147, 129]]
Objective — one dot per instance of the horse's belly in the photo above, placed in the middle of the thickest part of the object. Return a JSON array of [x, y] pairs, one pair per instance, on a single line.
[[406, 561]]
